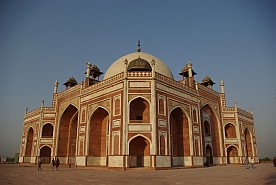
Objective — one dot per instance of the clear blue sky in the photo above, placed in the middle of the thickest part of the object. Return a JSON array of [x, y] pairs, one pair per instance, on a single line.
[[44, 41]]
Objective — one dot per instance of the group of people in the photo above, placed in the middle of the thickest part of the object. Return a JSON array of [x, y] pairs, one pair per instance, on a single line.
[[249, 163], [55, 163]]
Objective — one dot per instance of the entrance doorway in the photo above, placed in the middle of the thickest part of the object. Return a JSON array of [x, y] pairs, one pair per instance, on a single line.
[[45, 154], [209, 156], [139, 151], [232, 153]]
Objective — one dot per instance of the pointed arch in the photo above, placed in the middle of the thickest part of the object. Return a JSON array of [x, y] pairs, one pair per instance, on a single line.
[[29, 143], [208, 115], [67, 133], [162, 141], [45, 154], [230, 131], [139, 151], [180, 137], [139, 110], [47, 130], [232, 154], [248, 143], [98, 131]]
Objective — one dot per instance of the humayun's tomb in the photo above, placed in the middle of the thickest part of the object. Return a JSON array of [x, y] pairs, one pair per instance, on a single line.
[[139, 116]]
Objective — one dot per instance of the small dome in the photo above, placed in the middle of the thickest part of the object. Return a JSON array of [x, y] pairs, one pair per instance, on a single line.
[[94, 71], [119, 65], [139, 65], [95, 68], [71, 82], [185, 70], [207, 81]]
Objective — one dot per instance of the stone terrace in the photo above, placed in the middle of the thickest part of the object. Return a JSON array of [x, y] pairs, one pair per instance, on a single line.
[[26, 174]]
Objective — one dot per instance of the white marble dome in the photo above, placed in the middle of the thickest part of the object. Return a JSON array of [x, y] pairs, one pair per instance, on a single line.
[[118, 66]]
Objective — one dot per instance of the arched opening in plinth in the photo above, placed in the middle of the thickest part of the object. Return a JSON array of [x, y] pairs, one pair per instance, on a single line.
[[209, 155], [232, 154], [97, 153], [179, 128], [139, 151], [29, 144], [45, 154], [67, 134], [248, 144]]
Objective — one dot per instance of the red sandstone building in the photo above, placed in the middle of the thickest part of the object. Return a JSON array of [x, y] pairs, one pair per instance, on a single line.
[[139, 116]]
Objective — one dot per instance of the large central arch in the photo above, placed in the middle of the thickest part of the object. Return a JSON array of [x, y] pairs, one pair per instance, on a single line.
[[248, 144], [68, 134], [29, 144], [180, 144], [213, 132], [139, 151], [98, 150]]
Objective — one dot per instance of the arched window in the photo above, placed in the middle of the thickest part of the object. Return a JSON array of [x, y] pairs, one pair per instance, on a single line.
[[230, 131], [47, 130], [207, 129]]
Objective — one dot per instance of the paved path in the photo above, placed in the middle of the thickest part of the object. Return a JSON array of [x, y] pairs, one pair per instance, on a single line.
[[235, 175]]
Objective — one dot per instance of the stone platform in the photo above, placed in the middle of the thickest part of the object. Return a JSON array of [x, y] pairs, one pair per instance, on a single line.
[[263, 174]]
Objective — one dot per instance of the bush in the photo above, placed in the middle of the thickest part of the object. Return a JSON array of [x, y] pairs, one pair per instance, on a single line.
[[266, 159]]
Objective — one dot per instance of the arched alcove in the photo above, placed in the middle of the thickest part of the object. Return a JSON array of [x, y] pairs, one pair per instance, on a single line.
[[139, 111], [139, 149]]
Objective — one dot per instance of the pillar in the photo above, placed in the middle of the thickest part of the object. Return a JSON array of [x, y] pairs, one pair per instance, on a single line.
[[222, 86]]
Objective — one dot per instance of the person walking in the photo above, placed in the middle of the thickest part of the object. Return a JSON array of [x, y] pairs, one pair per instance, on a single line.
[[246, 163], [53, 163], [57, 163], [274, 161], [70, 163], [39, 163], [252, 163]]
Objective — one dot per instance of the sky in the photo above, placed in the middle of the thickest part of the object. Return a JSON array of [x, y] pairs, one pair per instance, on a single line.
[[44, 41]]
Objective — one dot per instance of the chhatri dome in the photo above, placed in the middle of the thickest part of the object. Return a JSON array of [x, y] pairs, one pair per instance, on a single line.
[[138, 60]]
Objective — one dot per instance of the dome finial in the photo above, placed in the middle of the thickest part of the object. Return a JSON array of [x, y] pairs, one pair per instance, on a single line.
[[138, 49]]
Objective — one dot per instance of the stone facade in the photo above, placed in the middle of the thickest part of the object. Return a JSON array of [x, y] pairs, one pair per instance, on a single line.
[[139, 116]]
